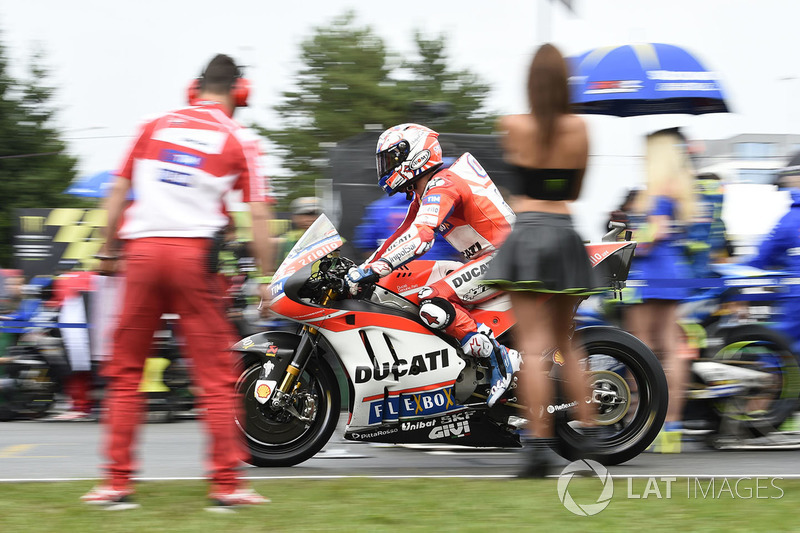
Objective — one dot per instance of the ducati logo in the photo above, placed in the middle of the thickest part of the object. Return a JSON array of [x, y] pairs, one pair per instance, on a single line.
[[468, 275], [472, 250], [401, 367]]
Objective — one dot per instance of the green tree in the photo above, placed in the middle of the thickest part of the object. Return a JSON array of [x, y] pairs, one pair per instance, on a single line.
[[349, 79], [34, 166], [450, 100]]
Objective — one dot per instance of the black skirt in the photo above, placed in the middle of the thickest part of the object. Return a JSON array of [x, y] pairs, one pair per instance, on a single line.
[[544, 254]]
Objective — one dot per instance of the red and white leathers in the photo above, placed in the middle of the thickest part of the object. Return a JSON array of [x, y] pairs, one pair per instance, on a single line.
[[464, 205], [181, 166]]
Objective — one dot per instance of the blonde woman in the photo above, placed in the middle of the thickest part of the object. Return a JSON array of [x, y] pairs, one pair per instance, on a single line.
[[664, 209]]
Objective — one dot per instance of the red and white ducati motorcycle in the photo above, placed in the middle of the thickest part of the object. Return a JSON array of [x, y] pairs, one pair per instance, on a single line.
[[409, 384]]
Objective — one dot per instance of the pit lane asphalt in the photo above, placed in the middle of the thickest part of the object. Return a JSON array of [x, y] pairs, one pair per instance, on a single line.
[[42, 450]]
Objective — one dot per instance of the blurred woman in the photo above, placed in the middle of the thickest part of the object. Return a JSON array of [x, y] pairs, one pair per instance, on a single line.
[[544, 264], [665, 207]]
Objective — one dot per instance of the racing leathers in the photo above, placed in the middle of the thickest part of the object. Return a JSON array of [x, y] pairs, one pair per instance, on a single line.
[[780, 250], [463, 205]]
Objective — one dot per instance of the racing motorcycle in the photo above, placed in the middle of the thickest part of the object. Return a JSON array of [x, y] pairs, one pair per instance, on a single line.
[[410, 384], [32, 371]]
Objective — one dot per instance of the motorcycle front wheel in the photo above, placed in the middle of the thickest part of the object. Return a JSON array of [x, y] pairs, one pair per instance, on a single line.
[[760, 410], [629, 392], [276, 437]]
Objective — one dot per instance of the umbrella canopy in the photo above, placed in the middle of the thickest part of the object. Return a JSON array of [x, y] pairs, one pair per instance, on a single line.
[[94, 186], [643, 79]]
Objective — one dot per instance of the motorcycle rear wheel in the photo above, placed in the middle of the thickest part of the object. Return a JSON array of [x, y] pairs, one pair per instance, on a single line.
[[275, 438], [627, 370]]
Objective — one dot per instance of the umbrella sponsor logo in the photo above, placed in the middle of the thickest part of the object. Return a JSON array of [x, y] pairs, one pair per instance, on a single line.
[[614, 86], [676, 75], [687, 86], [674, 80]]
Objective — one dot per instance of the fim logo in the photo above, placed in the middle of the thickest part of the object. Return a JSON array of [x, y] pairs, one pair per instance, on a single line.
[[591, 467]]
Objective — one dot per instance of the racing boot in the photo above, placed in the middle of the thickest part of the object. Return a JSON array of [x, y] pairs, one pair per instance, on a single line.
[[502, 371], [502, 361]]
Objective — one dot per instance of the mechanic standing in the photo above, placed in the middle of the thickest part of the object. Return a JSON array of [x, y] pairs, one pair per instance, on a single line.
[[179, 169]]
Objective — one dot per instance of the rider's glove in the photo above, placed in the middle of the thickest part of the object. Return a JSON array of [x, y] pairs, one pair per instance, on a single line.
[[367, 273]]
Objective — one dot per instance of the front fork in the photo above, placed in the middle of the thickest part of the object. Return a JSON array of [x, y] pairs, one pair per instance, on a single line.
[[282, 396]]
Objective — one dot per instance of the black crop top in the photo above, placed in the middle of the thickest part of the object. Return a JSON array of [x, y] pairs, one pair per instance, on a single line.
[[547, 183]]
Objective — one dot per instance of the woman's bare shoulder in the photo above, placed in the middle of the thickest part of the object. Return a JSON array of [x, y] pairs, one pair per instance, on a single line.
[[573, 124], [516, 123]]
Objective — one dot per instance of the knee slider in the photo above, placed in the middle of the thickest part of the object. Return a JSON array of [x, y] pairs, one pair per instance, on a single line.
[[437, 312]]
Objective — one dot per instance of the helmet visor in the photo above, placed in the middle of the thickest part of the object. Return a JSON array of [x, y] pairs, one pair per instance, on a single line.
[[391, 158]]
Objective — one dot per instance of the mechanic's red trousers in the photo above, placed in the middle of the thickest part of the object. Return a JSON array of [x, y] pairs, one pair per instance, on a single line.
[[168, 275]]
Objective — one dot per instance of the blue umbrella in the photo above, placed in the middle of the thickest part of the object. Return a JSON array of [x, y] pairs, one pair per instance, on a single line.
[[643, 79], [94, 186]]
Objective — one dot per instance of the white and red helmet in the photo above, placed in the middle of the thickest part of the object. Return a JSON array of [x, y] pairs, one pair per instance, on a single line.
[[404, 154]]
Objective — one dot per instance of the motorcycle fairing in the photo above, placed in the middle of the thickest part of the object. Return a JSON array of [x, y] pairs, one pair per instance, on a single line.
[[397, 372], [465, 427], [320, 239], [612, 261], [407, 280], [275, 350]]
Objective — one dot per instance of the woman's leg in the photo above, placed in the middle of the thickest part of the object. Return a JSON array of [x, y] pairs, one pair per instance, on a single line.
[[673, 356], [576, 382], [534, 332], [639, 323]]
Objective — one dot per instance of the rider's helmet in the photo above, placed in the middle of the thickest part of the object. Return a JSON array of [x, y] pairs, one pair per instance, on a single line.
[[405, 153]]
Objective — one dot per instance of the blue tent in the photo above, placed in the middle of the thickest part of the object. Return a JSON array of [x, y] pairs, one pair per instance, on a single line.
[[94, 186]]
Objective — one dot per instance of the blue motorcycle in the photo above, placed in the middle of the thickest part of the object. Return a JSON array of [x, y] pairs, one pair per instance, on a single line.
[[745, 379]]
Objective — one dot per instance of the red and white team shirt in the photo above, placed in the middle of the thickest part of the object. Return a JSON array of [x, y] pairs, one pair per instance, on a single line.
[[181, 167], [464, 205]]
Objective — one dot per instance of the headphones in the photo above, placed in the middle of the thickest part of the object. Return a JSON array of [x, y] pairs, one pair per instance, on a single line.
[[240, 90]]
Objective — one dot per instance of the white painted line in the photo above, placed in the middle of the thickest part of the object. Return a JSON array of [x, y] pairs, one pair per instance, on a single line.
[[443, 476], [320, 477], [47, 480]]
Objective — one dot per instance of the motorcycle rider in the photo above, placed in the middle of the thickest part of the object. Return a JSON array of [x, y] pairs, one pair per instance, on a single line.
[[463, 205], [780, 250]]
